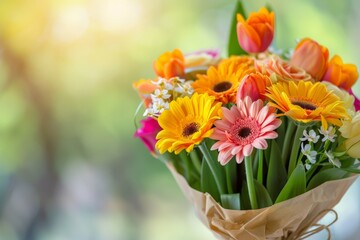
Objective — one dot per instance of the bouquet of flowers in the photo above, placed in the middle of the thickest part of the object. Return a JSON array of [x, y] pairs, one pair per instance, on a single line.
[[251, 137]]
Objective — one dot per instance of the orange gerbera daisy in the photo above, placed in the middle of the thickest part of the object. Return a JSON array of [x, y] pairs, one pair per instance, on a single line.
[[223, 82]]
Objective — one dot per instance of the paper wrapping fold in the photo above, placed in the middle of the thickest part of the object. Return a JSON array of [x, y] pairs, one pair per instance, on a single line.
[[285, 220]]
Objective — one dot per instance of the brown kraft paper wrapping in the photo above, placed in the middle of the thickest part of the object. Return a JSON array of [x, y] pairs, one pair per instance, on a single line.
[[285, 220]]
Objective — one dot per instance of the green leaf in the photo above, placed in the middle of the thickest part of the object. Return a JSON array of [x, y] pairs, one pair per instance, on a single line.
[[231, 201], [295, 186], [207, 181], [245, 199], [263, 197], [277, 175], [326, 175], [231, 176], [352, 170], [281, 130], [233, 43]]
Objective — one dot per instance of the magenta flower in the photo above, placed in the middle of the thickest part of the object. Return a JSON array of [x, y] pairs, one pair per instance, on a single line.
[[243, 128], [147, 133], [356, 102]]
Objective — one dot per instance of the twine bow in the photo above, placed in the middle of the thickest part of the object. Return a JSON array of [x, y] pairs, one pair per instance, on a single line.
[[316, 228]]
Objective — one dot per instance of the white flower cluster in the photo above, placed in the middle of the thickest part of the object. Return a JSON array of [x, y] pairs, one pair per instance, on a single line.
[[311, 138], [167, 90]]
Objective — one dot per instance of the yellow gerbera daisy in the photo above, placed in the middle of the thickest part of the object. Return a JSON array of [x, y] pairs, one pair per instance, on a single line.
[[222, 82], [187, 122], [307, 102]]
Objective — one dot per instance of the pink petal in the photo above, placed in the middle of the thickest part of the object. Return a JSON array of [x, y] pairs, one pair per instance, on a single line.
[[270, 135], [216, 145], [248, 149], [255, 108], [224, 146], [218, 135], [260, 143], [221, 124], [263, 114], [228, 115], [236, 150], [239, 157], [224, 157], [269, 128]]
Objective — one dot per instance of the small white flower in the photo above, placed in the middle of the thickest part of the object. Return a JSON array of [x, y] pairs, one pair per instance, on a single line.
[[329, 134], [307, 166], [176, 80], [184, 89], [311, 155], [163, 83], [160, 106], [311, 137], [334, 161], [149, 112], [179, 89], [161, 94]]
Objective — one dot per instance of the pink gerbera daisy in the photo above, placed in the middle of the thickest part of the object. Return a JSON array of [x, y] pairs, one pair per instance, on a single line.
[[242, 128]]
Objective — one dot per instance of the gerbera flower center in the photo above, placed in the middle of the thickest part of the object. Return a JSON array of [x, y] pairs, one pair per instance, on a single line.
[[304, 105], [222, 86], [190, 129], [244, 131]]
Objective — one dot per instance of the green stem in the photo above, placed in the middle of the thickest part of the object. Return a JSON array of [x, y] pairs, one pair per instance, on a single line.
[[250, 182], [215, 171], [313, 168], [196, 161], [185, 160], [260, 173], [288, 136], [295, 148], [228, 173]]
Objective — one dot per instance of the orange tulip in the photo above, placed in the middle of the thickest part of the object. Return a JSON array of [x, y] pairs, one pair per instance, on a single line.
[[257, 32], [170, 64], [312, 57], [254, 86], [342, 75]]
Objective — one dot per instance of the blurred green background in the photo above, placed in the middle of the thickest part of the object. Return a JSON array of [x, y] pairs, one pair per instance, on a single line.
[[69, 165]]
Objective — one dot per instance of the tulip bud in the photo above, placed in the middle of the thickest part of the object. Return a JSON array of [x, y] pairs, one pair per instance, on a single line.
[[170, 64], [257, 32], [312, 57], [253, 85], [342, 75], [147, 133]]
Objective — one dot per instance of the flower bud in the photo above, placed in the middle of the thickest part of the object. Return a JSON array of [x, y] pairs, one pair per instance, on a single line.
[[312, 57], [170, 64], [257, 32], [147, 133], [342, 75], [253, 85]]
